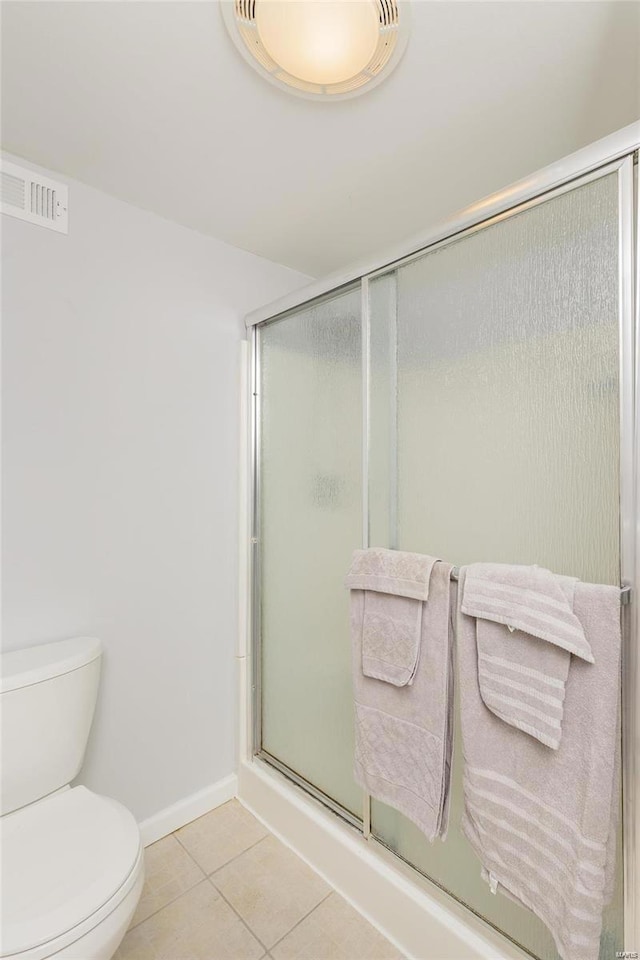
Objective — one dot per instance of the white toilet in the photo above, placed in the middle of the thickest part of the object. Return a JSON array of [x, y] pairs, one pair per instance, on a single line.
[[71, 862]]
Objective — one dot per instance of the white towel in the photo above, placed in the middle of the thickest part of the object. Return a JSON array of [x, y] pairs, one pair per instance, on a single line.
[[542, 821], [522, 671], [396, 584], [403, 733]]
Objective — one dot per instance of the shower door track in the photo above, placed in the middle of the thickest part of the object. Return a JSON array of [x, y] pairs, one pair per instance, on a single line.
[[311, 789], [618, 152]]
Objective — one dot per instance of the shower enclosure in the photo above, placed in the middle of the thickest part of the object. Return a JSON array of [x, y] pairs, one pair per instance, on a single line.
[[471, 398]]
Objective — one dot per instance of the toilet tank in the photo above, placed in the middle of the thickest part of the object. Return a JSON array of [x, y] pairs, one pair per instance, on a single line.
[[47, 699]]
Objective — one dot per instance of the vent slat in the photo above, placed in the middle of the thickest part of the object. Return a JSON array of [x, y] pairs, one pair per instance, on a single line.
[[12, 190], [29, 196], [246, 10], [390, 17]]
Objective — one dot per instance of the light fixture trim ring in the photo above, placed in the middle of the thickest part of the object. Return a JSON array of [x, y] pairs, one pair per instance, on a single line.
[[240, 20]]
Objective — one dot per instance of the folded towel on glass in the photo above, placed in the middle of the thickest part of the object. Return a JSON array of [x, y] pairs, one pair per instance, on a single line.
[[538, 677], [402, 677], [396, 585], [521, 678]]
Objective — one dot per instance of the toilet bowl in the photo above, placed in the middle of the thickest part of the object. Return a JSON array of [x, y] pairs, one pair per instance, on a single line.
[[71, 860]]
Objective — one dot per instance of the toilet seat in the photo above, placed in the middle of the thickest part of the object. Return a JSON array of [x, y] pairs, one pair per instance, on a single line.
[[68, 862]]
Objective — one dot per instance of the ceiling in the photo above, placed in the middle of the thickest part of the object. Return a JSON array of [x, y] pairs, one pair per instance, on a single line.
[[151, 102]]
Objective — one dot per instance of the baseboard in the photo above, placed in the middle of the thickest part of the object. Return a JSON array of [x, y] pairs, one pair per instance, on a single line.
[[190, 808], [409, 911]]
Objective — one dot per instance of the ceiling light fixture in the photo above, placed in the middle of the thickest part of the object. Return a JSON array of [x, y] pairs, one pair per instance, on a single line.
[[319, 48]]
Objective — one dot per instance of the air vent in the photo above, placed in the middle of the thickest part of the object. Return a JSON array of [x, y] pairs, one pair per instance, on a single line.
[[28, 196], [388, 11], [392, 16], [246, 10]]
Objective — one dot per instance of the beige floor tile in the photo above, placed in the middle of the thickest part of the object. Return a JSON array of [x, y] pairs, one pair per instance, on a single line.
[[169, 871], [199, 925], [271, 888], [334, 931], [221, 835]]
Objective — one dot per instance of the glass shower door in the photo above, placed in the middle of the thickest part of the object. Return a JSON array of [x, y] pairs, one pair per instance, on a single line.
[[492, 432], [502, 431], [310, 508]]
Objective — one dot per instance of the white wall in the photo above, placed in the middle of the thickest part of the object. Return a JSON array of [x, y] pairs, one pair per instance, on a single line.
[[120, 373]]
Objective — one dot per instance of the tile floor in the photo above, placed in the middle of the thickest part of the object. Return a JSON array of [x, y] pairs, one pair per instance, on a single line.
[[223, 888]]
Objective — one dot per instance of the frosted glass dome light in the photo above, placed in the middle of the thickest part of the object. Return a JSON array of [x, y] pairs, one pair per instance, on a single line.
[[319, 48], [321, 41]]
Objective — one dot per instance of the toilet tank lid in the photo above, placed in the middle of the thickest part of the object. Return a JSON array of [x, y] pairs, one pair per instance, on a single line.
[[21, 668]]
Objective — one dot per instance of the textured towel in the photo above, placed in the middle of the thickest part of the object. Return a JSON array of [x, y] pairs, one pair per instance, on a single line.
[[530, 599], [391, 571], [523, 670], [403, 733], [395, 585], [543, 821]]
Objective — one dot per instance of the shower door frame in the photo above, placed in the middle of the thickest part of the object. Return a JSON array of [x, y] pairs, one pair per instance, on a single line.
[[618, 152]]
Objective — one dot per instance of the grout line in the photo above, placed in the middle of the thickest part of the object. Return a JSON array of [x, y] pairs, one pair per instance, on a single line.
[[241, 918], [188, 853], [168, 903], [298, 922], [203, 876], [209, 877], [222, 865], [173, 899], [237, 856]]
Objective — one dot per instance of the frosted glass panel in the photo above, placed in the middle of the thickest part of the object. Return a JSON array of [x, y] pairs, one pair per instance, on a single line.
[[508, 441], [311, 509], [508, 391]]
